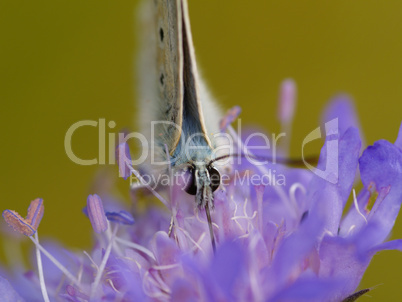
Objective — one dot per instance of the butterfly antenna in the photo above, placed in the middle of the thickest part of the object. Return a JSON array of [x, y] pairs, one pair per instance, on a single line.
[[211, 232]]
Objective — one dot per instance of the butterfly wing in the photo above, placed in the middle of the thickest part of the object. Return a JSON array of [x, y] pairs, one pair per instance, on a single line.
[[161, 74], [170, 90]]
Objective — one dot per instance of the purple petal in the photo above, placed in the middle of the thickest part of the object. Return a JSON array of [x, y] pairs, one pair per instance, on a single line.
[[259, 189], [398, 141], [310, 289], [293, 250], [127, 280], [96, 213], [67, 297], [349, 150], [224, 277], [227, 267], [85, 211], [75, 293], [270, 234], [341, 158], [228, 228], [328, 199], [390, 245], [341, 107], [167, 253], [25, 283], [150, 222], [7, 292], [353, 221], [122, 217], [368, 240], [340, 260], [381, 164], [327, 205], [184, 291]]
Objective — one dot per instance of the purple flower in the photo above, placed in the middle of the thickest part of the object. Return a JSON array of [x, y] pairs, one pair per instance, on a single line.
[[275, 241]]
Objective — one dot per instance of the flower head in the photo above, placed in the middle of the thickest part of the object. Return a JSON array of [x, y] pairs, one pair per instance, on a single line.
[[276, 241]]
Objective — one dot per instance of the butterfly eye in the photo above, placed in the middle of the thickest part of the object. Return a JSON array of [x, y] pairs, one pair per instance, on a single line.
[[215, 177], [191, 186]]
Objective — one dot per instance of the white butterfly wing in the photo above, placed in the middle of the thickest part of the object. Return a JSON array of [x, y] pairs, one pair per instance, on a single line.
[[170, 89]]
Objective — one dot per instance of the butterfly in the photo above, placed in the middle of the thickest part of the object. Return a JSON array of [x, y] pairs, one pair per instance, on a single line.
[[177, 114], [176, 111]]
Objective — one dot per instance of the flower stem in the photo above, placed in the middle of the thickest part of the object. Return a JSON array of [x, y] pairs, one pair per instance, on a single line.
[[40, 271], [103, 263], [136, 247], [144, 183], [55, 262]]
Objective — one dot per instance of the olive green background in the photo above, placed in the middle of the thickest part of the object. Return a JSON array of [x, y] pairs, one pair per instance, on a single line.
[[65, 61]]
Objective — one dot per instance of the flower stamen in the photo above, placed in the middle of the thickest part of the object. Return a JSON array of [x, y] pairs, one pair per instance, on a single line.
[[191, 239], [135, 246], [196, 214], [292, 195], [40, 271], [144, 183], [103, 263], [56, 262], [282, 195], [357, 206]]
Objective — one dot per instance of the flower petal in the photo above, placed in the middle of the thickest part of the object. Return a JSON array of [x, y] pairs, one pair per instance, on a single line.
[[381, 164], [227, 267], [340, 260], [293, 250], [328, 199], [341, 107], [184, 291], [122, 217], [398, 141], [390, 245], [310, 289], [167, 253], [7, 292]]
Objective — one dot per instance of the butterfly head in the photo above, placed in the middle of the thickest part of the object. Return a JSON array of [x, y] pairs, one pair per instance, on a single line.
[[203, 180]]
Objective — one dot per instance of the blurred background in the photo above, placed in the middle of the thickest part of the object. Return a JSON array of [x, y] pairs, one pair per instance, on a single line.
[[66, 61]]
